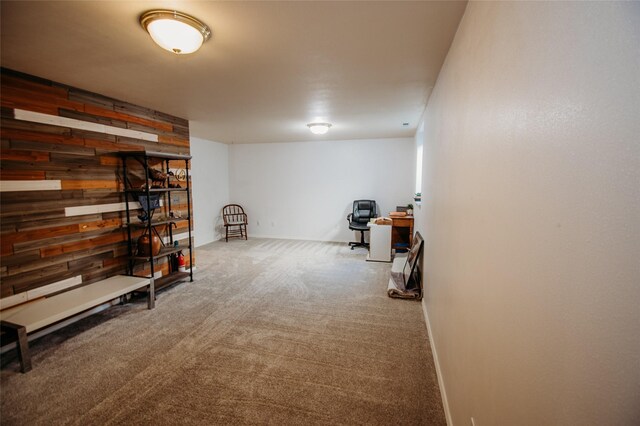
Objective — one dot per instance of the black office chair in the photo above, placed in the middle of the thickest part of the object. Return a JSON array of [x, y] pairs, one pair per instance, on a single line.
[[363, 211]]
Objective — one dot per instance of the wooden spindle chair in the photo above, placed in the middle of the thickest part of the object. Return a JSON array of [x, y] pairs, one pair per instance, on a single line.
[[235, 221]]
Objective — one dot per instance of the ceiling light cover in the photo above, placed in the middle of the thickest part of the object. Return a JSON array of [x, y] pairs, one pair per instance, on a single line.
[[319, 128], [175, 31]]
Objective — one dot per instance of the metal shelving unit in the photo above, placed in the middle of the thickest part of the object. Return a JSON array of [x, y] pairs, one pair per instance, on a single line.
[[144, 158]]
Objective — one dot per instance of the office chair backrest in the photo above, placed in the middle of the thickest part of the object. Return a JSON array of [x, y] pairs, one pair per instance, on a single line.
[[364, 210]]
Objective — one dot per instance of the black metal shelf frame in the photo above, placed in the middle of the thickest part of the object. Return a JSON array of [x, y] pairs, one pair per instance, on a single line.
[[143, 157]]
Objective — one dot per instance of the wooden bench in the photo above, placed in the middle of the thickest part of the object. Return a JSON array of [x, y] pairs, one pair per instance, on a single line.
[[18, 321]]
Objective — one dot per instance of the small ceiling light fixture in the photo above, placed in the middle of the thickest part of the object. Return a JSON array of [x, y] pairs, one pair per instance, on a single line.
[[175, 31], [319, 128]]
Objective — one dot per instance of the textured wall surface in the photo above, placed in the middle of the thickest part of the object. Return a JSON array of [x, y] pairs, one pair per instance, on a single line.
[[305, 190], [211, 188], [532, 215], [61, 206]]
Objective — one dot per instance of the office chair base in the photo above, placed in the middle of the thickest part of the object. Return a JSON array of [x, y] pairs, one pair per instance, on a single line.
[[361, 243], [354, 244]]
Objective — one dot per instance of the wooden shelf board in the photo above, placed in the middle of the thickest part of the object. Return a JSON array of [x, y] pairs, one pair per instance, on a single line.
[[162, 222], [163, 155], [163, 252], [154, 190]]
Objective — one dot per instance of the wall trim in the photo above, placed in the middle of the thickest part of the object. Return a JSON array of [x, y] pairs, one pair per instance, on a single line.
[[102, 208], [443, 391], [30, 185], [54, 287], [38, 117]]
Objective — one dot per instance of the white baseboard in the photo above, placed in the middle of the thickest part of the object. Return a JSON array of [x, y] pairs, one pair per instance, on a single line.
[[443, 391]]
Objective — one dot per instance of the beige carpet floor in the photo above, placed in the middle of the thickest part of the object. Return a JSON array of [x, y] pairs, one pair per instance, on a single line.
[[270, 332]]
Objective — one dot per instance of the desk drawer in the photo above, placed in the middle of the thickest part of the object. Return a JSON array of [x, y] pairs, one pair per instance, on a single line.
[[405, 222]]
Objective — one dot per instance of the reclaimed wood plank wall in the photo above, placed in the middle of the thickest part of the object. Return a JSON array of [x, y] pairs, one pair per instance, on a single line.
[[61, 208]]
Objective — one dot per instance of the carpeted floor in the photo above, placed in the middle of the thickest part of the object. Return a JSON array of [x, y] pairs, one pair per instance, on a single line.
[[270, 332]]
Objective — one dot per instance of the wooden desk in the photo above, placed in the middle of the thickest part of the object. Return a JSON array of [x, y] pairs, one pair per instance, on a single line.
[[401, 232]]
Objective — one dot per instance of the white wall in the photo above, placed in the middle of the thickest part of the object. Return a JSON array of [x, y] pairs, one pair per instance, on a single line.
[[305, 190], [532, 215], [417, 211], [210, 176]]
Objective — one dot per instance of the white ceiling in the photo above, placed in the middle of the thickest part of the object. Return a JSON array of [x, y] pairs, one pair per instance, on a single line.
[[269, 69]]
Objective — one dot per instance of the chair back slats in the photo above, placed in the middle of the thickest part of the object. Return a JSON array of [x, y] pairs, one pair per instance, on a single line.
[[235, 221], [233, 214]]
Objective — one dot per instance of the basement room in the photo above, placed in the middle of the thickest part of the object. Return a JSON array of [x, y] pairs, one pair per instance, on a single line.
[[320, 213]]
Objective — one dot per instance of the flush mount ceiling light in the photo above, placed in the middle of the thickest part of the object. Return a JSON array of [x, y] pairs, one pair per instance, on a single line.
[[175, 31], [319, 128]]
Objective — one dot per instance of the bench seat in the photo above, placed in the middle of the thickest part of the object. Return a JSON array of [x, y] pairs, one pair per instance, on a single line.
[[39, 313]]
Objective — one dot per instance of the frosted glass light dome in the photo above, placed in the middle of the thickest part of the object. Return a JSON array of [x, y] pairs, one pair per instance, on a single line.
[[319, 128], [175, 31]]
